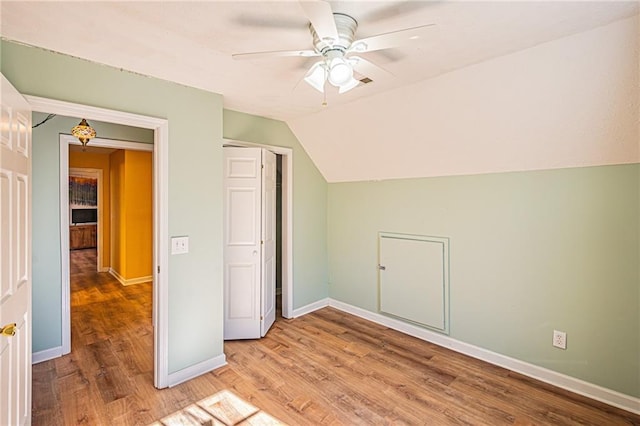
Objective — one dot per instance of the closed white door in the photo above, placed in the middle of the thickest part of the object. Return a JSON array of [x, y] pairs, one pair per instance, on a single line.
[[249, 222], [15, 255]]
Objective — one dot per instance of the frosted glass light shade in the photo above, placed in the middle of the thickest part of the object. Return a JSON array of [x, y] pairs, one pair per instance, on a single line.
[[348, 85], [340, 72], [316, 76]]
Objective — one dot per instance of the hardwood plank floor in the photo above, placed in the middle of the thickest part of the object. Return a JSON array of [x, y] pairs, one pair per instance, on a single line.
[[327, 367]]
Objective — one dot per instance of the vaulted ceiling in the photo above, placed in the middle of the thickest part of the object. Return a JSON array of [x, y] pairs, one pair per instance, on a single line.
[[192, 42]]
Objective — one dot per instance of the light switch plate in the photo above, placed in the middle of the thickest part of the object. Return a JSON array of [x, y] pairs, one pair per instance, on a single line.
[[179, 245]]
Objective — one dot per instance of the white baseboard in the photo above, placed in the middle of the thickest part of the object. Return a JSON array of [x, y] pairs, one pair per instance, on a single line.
[[46, 355], [196, 370], [599, 393], [322, 303], [130, 281]]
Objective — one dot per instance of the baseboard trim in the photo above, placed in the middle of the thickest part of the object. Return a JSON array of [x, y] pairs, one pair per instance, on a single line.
[[46, 355], [130, 281], [322, 303], [560, 380], [196, 370]]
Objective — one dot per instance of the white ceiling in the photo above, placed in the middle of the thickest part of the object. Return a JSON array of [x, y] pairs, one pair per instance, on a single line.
[[192, 42]]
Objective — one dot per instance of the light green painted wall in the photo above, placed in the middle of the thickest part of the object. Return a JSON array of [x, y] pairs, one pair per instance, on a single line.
[[195, 186], [309, 203], [46, 270], [530, 252]]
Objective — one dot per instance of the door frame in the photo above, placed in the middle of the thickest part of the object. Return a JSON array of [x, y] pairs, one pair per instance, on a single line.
[[160, 220], [287, 218]]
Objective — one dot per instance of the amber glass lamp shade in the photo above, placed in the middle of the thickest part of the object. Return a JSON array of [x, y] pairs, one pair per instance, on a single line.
[[84, 132]]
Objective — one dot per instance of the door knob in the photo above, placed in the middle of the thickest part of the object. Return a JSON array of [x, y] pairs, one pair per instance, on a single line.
[[8, 330]]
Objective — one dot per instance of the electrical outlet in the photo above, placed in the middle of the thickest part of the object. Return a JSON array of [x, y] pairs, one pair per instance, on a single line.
[[560, 339]]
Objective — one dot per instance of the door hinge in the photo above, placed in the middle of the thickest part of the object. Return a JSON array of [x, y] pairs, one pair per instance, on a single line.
[[382, 267], [158, 268], [261, 242]]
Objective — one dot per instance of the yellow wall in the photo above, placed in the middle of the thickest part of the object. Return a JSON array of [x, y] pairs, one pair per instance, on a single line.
[[131, 221], [138, 198], [117, 213], [91, 160]]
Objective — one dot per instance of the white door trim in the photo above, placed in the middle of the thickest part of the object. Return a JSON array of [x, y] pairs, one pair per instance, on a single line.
[[287, 219], [160, 216]]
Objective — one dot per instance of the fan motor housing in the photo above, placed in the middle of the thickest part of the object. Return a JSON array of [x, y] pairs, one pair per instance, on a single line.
[[346, 27]]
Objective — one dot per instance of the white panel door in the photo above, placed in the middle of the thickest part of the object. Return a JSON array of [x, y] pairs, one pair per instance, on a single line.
[[15, 256], [269, 176], [249, 242], [242, 181]]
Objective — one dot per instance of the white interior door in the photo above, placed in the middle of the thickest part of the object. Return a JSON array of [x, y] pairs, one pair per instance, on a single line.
[[242, 255], [15, 256], [269, 177]]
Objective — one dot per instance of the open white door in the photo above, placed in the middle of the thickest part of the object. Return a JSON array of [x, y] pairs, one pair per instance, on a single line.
[[249, 243], [269, 177], [15, 257]]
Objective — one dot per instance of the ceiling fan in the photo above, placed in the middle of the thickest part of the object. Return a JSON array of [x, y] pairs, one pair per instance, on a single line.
[[335, 43]]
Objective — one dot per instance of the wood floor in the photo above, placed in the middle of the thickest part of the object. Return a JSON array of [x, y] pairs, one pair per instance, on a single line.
[[327, 367]]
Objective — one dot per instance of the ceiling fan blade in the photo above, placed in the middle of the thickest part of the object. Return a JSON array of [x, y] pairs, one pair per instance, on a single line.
[[257, 21], [388, 40], [321, 16], [399, 8], [369, 69], [275, 53]]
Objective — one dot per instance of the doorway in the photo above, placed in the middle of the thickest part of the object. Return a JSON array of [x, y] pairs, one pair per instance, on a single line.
[[160, 220], [285, 203], [86, 211]]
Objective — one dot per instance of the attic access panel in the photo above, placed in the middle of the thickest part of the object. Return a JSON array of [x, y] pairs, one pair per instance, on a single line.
[[414, 279]]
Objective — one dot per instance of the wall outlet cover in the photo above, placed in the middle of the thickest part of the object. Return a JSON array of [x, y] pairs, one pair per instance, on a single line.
[[560, 339]]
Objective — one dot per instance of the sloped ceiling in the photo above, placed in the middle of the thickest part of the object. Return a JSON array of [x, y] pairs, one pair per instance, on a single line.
[[191, 43]]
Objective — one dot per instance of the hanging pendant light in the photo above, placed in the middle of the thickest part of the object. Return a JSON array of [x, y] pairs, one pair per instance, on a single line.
[[84, 132]]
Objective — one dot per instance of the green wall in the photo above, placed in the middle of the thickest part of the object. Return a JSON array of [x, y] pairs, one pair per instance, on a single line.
[[47, 328], [530, 252], [309, 203], [195, 158]]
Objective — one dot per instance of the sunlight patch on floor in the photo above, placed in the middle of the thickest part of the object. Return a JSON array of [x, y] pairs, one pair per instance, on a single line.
[[220, 409]]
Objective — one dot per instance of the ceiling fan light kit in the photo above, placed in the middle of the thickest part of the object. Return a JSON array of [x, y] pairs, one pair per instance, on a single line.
[[334, 67], [334, 40]]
